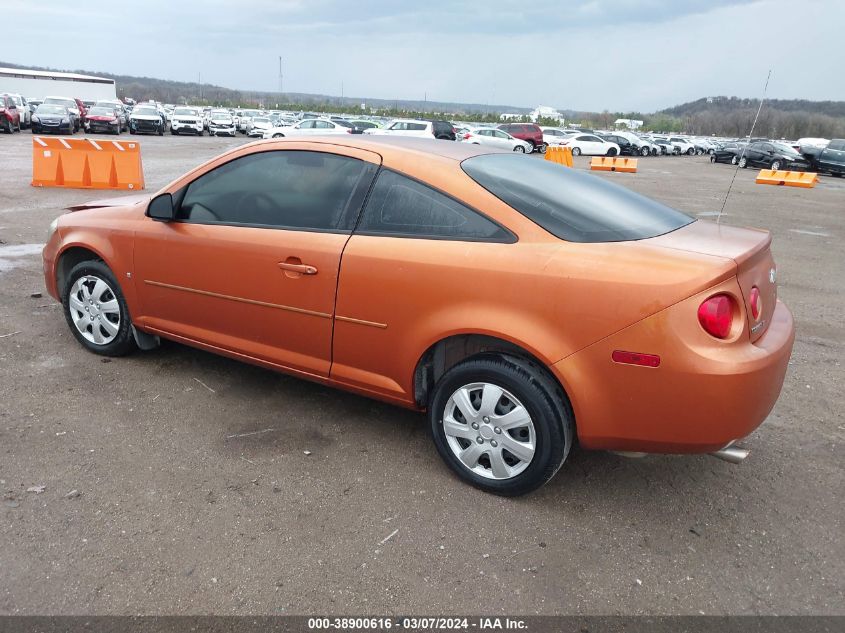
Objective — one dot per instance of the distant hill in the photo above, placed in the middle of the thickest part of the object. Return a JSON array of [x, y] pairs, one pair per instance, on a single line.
[[167, 91], [779, 118]]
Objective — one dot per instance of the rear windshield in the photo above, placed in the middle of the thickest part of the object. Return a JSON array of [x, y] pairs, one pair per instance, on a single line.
[[571, 205]]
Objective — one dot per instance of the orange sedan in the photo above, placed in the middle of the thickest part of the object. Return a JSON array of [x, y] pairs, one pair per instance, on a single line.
[[523, 305]]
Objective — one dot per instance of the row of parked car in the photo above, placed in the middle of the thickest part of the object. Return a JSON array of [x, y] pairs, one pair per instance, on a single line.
[[827, 156], [66, 115]]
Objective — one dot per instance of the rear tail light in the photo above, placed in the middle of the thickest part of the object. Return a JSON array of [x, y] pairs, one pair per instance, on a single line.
[[754, 301], [349, 130], [716, 315], [467, 135]]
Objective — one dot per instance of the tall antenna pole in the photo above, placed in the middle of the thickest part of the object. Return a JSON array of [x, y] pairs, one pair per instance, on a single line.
[[281, 84], [750, 134]]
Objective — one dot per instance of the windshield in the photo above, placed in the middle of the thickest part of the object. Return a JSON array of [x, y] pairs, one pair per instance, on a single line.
[[786, 149], [260, 120], [185, 112], [51, 109], [571, 205], [99, 111], [145, 111], [69, 103]]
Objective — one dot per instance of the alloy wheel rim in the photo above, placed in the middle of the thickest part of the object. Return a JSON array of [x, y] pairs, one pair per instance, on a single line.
[[489, 431], [94, 310]]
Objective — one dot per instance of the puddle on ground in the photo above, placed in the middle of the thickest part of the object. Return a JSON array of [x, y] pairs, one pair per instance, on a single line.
[[12, 256]]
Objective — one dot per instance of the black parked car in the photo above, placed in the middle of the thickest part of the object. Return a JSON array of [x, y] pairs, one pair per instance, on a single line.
[[772, 155], [51, 117], [626, 147], [444, 130], [830, 159], [727, 153]]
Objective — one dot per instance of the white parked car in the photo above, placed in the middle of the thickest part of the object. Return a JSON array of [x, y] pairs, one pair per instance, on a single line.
[[590, 145], [308, 127], [221, 123], [495, 138], [405, 127], [244, 117], [554, 135], [683, 145], [23, 107], [257, 126], [186, 121]]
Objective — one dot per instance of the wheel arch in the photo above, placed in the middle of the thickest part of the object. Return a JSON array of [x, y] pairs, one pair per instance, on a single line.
[[447, 352], [69, 257]]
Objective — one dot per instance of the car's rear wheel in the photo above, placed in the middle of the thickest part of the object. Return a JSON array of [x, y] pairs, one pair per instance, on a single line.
[[733, 160], [610, 152], [776, 165], [542, 148], [712, 158], [644, 151], [500, 424], [8, 127], [743, 162], [532, 146], [278, 135], [576, 151], [96, 311], [518, 148]]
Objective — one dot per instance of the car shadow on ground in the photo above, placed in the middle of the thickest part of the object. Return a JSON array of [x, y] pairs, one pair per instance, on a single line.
[[322, 413]]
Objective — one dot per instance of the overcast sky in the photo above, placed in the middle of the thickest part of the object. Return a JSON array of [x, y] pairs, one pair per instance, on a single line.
[[574, 54]]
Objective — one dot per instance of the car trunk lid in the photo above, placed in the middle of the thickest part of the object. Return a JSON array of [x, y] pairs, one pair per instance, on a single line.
[[749, 248]]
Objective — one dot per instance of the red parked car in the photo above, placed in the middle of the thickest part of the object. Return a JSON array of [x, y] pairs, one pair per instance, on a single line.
[[10, 118], [528, 132]]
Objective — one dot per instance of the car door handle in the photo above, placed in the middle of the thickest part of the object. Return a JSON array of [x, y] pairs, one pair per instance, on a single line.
[[304, 269]]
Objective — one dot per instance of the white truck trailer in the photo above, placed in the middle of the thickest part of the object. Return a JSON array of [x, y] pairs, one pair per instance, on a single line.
[[37, 84]]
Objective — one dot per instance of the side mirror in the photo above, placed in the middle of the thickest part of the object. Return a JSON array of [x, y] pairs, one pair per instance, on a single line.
[[161, 208]]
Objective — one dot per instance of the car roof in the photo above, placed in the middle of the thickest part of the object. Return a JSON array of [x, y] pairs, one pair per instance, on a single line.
[[387, 145]]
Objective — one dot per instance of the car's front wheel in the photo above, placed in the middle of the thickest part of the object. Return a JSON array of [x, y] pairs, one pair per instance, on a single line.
[[500, 424], [576, 151], [518, 148], [96, 311], [743, 162], [776, 165]]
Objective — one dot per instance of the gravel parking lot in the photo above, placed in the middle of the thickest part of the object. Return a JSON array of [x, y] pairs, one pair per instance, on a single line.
[[194, 492]]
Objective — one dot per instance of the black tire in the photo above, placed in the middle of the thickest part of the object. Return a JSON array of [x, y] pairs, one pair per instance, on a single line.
[[160, 131], [533, 147], [520, 149], [276, 136], [131, 131], [610, 152], [542, 149], [644, 151], [776, 165], [123, 341], [545, 403], [173, 132], [712, 158], [690, 151], [743, 162], [576, 151], [201, 133], [734, 160], [8, 127]]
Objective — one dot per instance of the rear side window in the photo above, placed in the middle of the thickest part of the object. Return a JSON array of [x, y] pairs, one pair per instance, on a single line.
[[837, 144], [403, 207], [415, 126], [571, 205]]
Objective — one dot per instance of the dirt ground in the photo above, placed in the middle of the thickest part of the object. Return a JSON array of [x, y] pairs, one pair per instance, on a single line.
[[172, 514]]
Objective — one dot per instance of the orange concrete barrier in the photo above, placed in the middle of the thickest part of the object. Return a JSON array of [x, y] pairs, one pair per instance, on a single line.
[[601, 163], [84, 163], [805, 179], [559, 155]]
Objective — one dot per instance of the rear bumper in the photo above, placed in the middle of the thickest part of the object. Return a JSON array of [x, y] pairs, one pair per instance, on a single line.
[[704, 395]]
